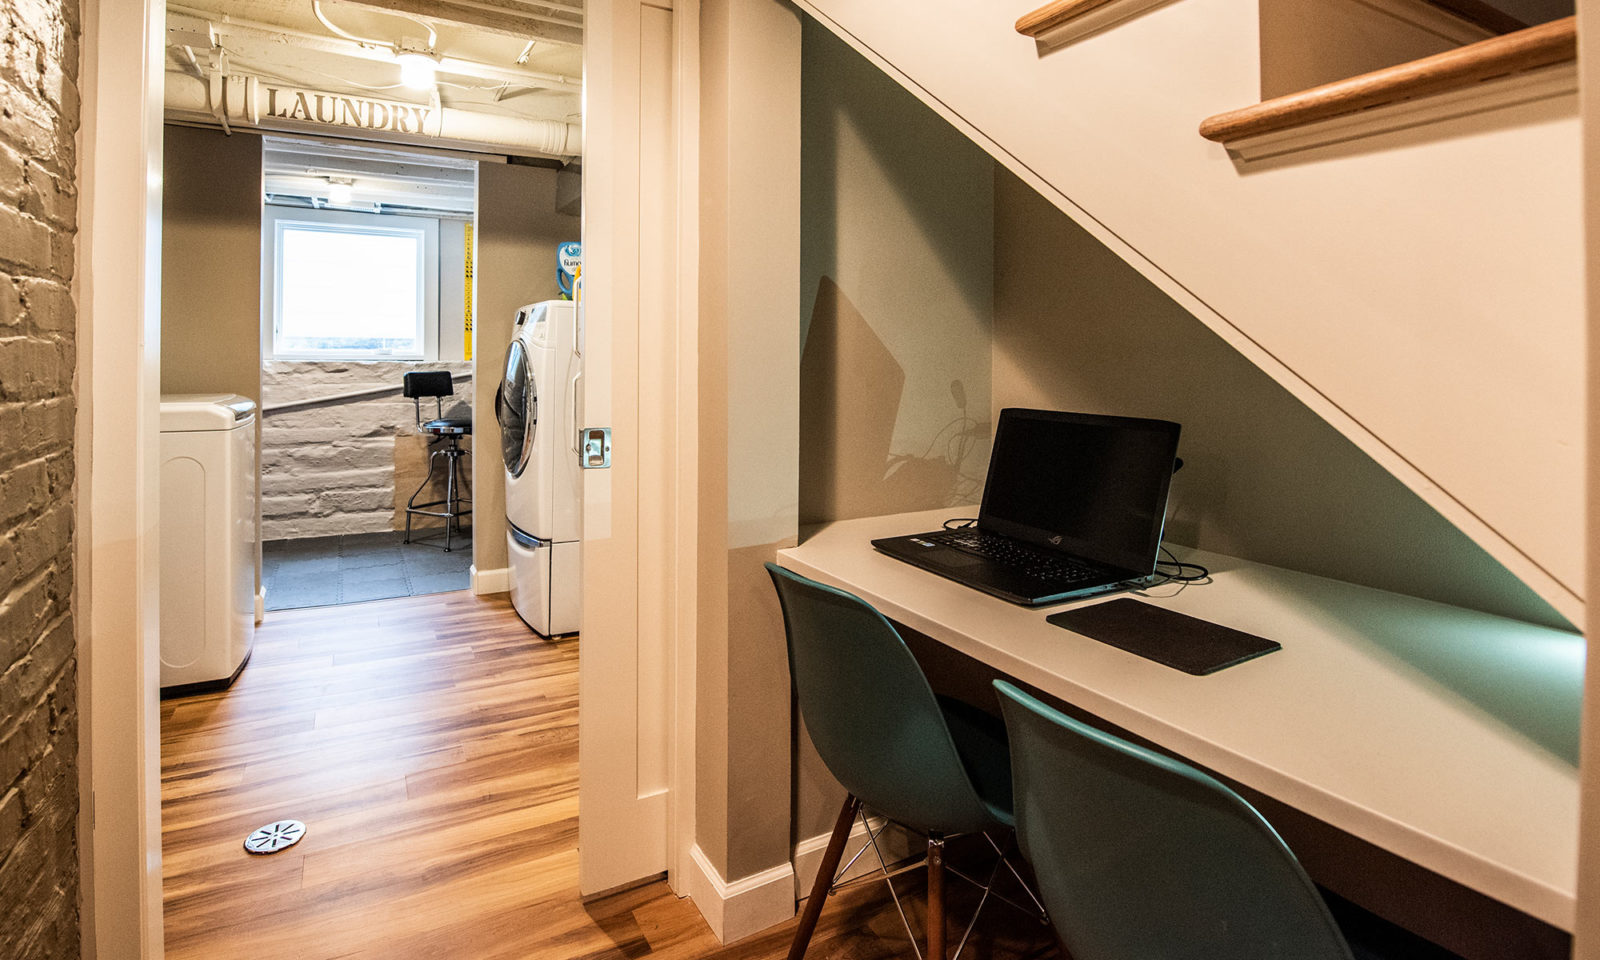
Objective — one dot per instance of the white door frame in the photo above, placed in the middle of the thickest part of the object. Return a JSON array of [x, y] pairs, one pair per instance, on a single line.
[[119, 350], [119, 290]]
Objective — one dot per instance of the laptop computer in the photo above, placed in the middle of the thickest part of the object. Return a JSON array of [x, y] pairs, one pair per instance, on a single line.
[[1073, 507]]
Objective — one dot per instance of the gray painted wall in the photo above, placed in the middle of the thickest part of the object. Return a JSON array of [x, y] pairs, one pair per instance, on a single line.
[[518, 231], [897, 298]]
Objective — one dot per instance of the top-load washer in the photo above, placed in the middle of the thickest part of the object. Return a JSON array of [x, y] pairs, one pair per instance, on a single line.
[[536, 407], [208, 539]]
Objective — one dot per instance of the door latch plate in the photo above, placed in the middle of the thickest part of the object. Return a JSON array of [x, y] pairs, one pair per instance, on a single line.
[[595, 442]]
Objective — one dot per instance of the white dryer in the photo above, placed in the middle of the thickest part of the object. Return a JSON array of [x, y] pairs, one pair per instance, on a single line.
[[537, 410]]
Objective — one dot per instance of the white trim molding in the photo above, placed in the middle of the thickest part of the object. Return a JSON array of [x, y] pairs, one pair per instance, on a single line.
[[497, 580], [745, 906]]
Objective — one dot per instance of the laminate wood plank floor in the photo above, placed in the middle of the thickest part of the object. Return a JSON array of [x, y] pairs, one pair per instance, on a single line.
[[430, 745]]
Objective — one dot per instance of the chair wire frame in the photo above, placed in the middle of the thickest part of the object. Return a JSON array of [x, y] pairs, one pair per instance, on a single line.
[[887, 875]]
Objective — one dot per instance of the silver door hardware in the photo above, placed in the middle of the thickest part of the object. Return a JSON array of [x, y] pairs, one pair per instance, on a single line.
[[596, 445]]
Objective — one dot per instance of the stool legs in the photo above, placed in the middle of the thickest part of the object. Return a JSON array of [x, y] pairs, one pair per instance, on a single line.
[[453, 501], [412, 500], [824, 881], [450, 504]]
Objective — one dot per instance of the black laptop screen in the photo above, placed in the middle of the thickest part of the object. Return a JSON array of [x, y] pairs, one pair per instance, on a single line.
[[1099, 484]]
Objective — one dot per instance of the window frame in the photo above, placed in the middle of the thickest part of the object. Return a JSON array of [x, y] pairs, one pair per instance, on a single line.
[[273, 222]]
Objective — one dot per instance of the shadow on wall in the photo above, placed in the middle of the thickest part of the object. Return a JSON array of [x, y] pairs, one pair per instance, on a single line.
[[851, 388]]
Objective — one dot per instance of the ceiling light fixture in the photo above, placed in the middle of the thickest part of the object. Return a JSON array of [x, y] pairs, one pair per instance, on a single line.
[[341, 189], [418, 63]]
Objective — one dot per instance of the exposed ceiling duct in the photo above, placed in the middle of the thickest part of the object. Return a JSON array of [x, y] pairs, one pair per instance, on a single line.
[[378, 70], [375, 177], [237, 100]]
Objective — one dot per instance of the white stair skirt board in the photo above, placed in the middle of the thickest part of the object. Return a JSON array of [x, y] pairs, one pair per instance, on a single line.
[[747, 905], [497, 580]]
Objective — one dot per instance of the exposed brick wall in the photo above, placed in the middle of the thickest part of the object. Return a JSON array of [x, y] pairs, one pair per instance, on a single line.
[[38, 667], [331, 469]]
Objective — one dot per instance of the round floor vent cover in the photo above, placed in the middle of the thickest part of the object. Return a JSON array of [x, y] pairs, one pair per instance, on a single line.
[[275, 837]]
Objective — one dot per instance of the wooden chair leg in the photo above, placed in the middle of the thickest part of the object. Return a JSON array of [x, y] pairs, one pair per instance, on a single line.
[[819, 889], [935, 897]]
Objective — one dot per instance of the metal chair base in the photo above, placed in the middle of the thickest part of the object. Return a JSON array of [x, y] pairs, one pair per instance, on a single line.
[[828, 882], [453, 500]]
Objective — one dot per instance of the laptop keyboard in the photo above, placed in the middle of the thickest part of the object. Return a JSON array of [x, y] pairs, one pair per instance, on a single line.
[[1028, 561]]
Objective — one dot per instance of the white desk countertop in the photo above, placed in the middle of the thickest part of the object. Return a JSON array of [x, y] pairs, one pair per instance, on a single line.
[[1446, 736]]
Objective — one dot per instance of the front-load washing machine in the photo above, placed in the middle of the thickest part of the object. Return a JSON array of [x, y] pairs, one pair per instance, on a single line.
[[537, 410], [208, 539]]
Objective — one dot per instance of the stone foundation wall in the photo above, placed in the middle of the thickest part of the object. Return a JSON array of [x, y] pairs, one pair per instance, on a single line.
[[39, 876], [336, 468]]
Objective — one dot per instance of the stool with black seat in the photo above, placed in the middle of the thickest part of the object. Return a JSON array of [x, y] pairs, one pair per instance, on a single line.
[[446, 432]]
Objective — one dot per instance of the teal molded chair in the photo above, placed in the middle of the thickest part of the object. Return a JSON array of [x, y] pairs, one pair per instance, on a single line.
[[934, 765], [1141, 857]]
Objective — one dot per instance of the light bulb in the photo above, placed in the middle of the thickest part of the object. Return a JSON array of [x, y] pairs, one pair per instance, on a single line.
[[340, 191], [417, 70]]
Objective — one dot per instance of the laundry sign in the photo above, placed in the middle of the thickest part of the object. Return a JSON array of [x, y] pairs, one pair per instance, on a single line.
[[238, 99], [311, 106]]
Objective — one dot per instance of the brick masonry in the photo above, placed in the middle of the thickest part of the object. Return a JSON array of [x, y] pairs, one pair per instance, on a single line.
[[333, 468], [38, 321]]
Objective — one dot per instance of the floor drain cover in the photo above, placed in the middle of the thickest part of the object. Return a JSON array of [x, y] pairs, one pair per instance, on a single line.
[[275, 836]]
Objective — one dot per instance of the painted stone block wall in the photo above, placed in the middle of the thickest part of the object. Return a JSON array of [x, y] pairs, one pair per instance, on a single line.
[[39, 877], [333, 468]]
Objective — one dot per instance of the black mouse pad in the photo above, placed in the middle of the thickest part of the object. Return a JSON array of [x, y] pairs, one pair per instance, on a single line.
[[1172, 639]]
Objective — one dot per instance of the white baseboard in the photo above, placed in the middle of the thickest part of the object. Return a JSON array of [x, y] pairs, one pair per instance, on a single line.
[[895, 843], [490, 581], [747, 905]]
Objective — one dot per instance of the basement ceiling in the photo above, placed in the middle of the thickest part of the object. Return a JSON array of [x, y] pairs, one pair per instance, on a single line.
[[508, 59]]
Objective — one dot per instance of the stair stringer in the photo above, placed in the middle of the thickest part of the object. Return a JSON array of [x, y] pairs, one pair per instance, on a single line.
[[1285, 260]]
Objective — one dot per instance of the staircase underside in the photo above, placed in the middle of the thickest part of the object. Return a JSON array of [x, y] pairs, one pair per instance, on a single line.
[[1420, 289]]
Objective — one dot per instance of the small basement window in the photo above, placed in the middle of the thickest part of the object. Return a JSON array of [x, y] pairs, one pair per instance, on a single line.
[[359, 288]]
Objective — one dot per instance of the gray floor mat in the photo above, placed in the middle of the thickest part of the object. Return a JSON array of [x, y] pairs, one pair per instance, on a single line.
[[321, 571]]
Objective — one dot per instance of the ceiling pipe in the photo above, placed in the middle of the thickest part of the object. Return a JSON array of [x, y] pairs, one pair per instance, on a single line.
[[227, 24], [245, 101]]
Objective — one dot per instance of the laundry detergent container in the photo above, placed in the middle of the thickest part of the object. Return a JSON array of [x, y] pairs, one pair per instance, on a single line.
[[208, 539]]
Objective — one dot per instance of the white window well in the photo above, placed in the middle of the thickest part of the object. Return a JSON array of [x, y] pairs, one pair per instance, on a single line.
[[356, 288]]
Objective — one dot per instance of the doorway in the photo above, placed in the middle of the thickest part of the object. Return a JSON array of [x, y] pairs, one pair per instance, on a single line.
[[123, 86], [365, 293]]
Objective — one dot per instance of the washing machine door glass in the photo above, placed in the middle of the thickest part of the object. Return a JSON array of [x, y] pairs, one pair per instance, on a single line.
[[516, 407]]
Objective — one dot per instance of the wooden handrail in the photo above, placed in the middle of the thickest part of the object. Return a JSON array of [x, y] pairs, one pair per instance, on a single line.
[[1540, 46], [1054, 14]]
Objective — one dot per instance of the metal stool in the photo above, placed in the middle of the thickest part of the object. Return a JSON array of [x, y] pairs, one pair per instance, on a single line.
[[438, 384]]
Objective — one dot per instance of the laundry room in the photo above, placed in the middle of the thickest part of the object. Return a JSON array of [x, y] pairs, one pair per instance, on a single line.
[[337, 284]]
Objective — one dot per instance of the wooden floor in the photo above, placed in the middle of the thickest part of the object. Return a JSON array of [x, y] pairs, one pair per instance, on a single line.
[[430, 745]]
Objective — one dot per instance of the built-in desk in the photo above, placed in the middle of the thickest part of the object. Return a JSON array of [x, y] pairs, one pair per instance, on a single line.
[[1446, 736]]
